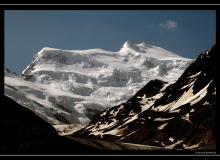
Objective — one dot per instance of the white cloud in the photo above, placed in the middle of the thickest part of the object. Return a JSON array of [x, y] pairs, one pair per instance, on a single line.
[[169, 24]]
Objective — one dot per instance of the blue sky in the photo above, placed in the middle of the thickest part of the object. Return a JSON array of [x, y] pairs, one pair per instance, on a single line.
[[185, 32]]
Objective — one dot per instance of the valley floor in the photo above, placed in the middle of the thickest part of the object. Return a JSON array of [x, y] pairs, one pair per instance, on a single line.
[[107, 145]]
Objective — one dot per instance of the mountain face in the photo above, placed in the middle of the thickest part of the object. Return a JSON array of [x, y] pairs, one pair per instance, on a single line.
[[66, 87], [181, 115]]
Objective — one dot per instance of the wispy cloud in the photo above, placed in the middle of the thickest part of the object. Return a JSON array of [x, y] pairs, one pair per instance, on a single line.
[[169, 24]]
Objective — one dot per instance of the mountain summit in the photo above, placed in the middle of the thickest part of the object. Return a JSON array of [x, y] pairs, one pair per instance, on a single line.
[[136, 49]]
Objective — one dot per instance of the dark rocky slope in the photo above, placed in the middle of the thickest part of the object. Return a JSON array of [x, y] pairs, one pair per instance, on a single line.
[[23, 132]]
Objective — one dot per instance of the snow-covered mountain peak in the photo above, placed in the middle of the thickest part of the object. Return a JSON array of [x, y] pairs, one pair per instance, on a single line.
[[138, 49], [129, 44], [84, 82]]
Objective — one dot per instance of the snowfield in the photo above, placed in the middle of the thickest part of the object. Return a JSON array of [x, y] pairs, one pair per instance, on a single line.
[[71, 87]]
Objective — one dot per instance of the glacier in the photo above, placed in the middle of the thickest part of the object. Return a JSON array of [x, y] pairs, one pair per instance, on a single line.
[[72, 86]]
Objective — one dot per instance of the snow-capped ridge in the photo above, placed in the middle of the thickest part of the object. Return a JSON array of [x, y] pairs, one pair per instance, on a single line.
[[130, 48], [46, 50], [50, 50]]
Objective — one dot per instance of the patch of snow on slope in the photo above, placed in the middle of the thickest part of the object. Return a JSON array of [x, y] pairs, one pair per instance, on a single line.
[[189, 97]]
